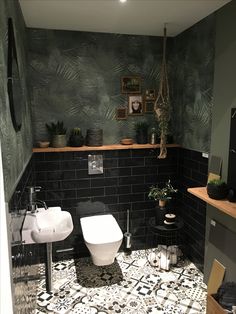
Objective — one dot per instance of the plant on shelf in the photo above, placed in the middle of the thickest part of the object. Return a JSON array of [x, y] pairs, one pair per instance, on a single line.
[[217, 189], [76, 138], [141, 129], [162, 194], [57, 131]]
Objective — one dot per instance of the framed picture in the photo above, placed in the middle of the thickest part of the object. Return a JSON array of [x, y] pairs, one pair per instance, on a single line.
[[135, 105], [131, 84], [150, 94], [121, 113], [149, 106]]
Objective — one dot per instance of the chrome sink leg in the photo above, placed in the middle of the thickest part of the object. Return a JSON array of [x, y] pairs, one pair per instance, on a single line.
[[49, 267]]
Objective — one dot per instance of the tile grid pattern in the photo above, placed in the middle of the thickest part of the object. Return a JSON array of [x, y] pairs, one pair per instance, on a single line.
[[125, 183], [129, 285], [194, 170]]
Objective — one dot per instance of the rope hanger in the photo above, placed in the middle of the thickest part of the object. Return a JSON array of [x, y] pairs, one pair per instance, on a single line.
[[162, 103]]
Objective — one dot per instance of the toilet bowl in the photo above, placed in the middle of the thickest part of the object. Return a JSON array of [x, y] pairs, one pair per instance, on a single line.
[[103, 238]]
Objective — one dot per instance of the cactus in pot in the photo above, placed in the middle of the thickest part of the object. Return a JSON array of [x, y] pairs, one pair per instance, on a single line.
[[76, 138]]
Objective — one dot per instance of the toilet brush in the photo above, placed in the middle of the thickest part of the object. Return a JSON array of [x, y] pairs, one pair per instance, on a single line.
[[127, 236]]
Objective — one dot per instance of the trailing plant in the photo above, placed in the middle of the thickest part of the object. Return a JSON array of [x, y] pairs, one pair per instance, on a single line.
[[162, 104], [164, 193], [56, 128]]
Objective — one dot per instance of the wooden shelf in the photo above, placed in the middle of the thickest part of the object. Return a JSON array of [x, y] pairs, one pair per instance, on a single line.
[[104, 147], [223, 205]]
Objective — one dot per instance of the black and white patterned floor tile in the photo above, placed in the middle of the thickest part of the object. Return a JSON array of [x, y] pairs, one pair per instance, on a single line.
[[128, 286]]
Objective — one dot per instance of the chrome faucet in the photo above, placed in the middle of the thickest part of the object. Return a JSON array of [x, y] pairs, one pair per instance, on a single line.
[[32, 198]]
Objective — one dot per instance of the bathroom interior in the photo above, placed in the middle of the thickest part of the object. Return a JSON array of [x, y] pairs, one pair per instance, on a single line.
[[74, 76]]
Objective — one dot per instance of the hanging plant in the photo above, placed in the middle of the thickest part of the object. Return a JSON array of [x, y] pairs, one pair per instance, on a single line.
[[162, 104]]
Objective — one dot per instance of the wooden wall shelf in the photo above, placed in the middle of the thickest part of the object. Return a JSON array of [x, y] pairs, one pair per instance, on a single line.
[[104, 147], [223, 205]]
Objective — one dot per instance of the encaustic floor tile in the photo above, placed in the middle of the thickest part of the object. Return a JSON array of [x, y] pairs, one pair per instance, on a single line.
[[129, 286]]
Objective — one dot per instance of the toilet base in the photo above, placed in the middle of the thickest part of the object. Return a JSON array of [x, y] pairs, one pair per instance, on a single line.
[[102, 262]]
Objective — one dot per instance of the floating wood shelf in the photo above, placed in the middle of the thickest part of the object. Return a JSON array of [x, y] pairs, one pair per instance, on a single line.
[[223, 205], [104, 147]]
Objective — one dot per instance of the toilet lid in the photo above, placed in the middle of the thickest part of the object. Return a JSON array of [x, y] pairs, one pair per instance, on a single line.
[[100, 229]]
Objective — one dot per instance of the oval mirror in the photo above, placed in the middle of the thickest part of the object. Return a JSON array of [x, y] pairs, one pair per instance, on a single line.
[[14, 87]]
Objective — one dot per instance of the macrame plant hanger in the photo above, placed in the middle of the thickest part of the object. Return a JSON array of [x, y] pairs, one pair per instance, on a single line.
[[162, 103]]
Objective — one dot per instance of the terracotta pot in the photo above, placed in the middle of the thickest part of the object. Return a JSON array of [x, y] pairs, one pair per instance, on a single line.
[[162, 203]]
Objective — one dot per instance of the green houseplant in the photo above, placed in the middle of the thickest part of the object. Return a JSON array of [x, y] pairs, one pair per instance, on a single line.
[[76, 138], [57, 132], [162, 194], [141, 129], [217, 189]]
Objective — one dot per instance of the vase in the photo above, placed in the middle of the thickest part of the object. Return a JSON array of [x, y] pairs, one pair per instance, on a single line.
[[76, 140], [142, 137], [162, 203], [217, 192], [59, 140]]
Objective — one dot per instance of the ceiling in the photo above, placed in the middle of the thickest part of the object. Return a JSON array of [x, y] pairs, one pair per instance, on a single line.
[[139, 17]]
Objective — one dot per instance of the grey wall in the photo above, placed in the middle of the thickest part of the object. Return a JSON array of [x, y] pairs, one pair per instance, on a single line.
[[76, 77], [224, 100], [16, 147], [192, 69]]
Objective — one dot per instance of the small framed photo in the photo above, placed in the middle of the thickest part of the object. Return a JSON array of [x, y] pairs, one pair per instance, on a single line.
[[150, 94], [135, 105], [131, 85], [121, 113], [149, 106]]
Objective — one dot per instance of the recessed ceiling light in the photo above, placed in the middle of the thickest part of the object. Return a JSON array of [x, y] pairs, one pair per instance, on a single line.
[[123, 1]]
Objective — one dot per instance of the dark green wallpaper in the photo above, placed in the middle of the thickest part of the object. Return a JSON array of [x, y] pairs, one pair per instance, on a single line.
[[16, 147], [75, 77], [192, 71]]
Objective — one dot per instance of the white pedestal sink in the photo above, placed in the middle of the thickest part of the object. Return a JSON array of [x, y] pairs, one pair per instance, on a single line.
[[46, 226]]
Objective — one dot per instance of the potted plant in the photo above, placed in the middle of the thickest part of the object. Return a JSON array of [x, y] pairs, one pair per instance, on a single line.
[[217, 189], [76, 138], [57, 131], [141, 129], [162, 194]]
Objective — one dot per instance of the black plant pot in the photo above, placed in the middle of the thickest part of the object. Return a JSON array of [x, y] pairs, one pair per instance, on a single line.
[[142, 137], [76, 140], [217, 192]]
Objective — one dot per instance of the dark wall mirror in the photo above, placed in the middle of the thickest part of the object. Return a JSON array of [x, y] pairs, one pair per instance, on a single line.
[[14, 88]]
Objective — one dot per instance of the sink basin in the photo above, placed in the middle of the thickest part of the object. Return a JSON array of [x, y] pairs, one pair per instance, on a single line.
[[45, 226]]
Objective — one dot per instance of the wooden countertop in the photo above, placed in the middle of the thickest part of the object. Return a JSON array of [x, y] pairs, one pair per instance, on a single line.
[[223, 205], [104, 147]]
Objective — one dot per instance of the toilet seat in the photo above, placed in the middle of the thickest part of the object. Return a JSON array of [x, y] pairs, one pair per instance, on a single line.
[[100, 229]]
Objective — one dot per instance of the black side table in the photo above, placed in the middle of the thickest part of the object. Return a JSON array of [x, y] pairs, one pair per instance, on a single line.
[[167, 235]]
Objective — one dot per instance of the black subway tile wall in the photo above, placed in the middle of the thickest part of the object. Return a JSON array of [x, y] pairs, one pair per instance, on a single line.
[[124, 184], [193, 170]]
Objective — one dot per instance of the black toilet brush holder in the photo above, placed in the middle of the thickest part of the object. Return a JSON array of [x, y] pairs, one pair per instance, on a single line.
[[127, 237]]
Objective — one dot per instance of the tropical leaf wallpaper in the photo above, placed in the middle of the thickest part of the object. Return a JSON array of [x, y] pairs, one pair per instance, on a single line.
[[76, 77], [16, 147], [191, 68]]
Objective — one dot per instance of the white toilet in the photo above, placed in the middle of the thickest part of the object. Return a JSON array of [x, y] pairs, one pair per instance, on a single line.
[[103, 238]]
